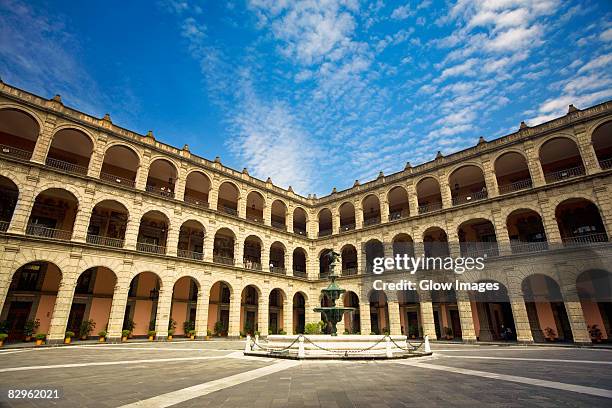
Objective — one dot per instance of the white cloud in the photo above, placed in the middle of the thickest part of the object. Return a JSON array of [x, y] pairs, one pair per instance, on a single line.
[[599, 62], [402, 12], [606, 35]]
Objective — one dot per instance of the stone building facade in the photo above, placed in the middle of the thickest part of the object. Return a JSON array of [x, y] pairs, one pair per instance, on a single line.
[[98, 222]]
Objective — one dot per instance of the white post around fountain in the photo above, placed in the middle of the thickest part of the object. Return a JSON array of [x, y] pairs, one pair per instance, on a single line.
[[301, 352], [247, 345], [427, 348], [388, 347]]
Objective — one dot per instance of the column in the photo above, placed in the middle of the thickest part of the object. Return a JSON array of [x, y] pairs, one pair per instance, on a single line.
[[587, 153], [490, 178], [335, 221], [131, 231], [7, 268], [501, 233], [143, 171], [242, 203], [97, 158], [164, 304], [464, 306], [289, 219], [445, 192], [234, 314], [21, 214], [358, 216], [44, 140], [263, 315], [265, 256], [117, 312], [288, 315], [213, 195], [267, 212], [172, 240], [395, 326], [289, 262], [413, 199], [550, 222], [575, 315], [521, 319], [485, 333], [201, 320], [427, 318], [81, 222], [533, 162], [384, 210], [209, 245], [364, 316], [61, 310]]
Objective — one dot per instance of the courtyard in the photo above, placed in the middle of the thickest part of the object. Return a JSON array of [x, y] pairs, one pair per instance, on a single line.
[[216, 374]]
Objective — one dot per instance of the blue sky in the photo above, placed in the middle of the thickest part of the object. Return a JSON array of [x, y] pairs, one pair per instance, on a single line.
[[316, 93]]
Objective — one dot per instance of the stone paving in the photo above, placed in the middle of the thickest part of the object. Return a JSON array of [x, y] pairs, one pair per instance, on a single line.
[[116, 375]]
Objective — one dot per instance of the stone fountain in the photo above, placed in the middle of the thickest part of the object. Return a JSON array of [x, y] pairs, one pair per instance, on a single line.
[[333, 314]]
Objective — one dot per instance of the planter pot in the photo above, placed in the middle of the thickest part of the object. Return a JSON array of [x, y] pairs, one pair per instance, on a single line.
[[67, 340], [102, 339], [1, 343], [40, 342], [192, 337], [151, 338], [207, 338], [83, 337], [124, 339], [28, 338], [169, 338]]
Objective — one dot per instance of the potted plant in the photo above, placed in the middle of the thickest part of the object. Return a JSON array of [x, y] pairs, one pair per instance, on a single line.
[[3, 337], [192, 334], [40, 339], [170, 334], [218, 328], [448, 333], [124, 335], [151, 335], [550, 334], [208, 334], [68, 337], [30, 328], [102, 336], [86, 328], [129, 326], [282, 332], [188, 326], [595, 333]]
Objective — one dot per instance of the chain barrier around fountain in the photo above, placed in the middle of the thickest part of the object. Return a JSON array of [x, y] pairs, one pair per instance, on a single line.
[[334, 346]]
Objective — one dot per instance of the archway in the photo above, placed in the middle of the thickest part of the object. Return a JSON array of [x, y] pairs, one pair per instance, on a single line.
[[299, 313], [349, 260], [9, 193], [371, 210], [18, 133], [191, 240], [467, 184], [108, 224], [120, 165], [227, 201], [428, 195], [526, 231], [30, 300], [276, 312], [379, 312], [602, 144], [352, 322], [493, 318], [299, 262], [373, 249], [299, 221], [184, 305], [325, 222], [141, 308], [403, 245], [197, 187], [70, 151], [560, 159], [223, 246], [91, 303], [255, 207], [545, 309], [435, 242], [446, 314], [53, 214], [279, 215], [399, 206], [152, 233], [410, 313], [512, 172], [324, 263], [219, 308], [252, 253], [347, 217], [249, 310], [162, 177], [594, 289], [580, 222], [277, 258], [477, 238]]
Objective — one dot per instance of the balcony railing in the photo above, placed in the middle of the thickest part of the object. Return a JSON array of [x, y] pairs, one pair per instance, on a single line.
[[555, 176], [467, 198], [605, 164], [325, 232], [299, 272], [425, 208], [104, 241], [160, 191], [299, 231], [69, 167], [371, 221], [519, 247], [258, 220], [40, 231], [347, 227], [4, 226], [223, 260], [229, 210], [279, 270], [349, 271], [196, 201], [119, 180], [15, 152], [515, 186], [396, 215], [254, 265], [585, 239], [279, 225], [184, 253], [150, 248], [478, 249]]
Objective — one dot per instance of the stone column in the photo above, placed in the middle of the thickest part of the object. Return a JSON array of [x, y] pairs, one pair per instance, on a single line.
[[239, 250], [131, 231], [23, 209], [181, 182], [234, 314], [117, 312], [213, 195], [358, 216], [395, 325], [335, 221], [265, 256], [63, 303], [501, 233], [549, 221], [485, 333], [575, 315], [288, 315], [289, 219], [413, 199], [164, 306], [427, 318], [312, 227], [7, 268], [490, 178], [533, 162], [143, 171], [44, 140], [521, 319], [242, 204], [97, 157], [201, 320], [312, 264], [172, 240], [364, 316], [445, 190], [468, 334], [263, 315], [587, 153], [81, 222], [289, 262], [267, 213], [209, 244]]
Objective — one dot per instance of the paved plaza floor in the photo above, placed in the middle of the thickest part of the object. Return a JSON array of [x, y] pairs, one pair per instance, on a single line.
[[216, 374]]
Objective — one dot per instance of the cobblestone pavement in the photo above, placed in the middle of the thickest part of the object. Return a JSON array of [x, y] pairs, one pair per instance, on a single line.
[[215, 374]]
